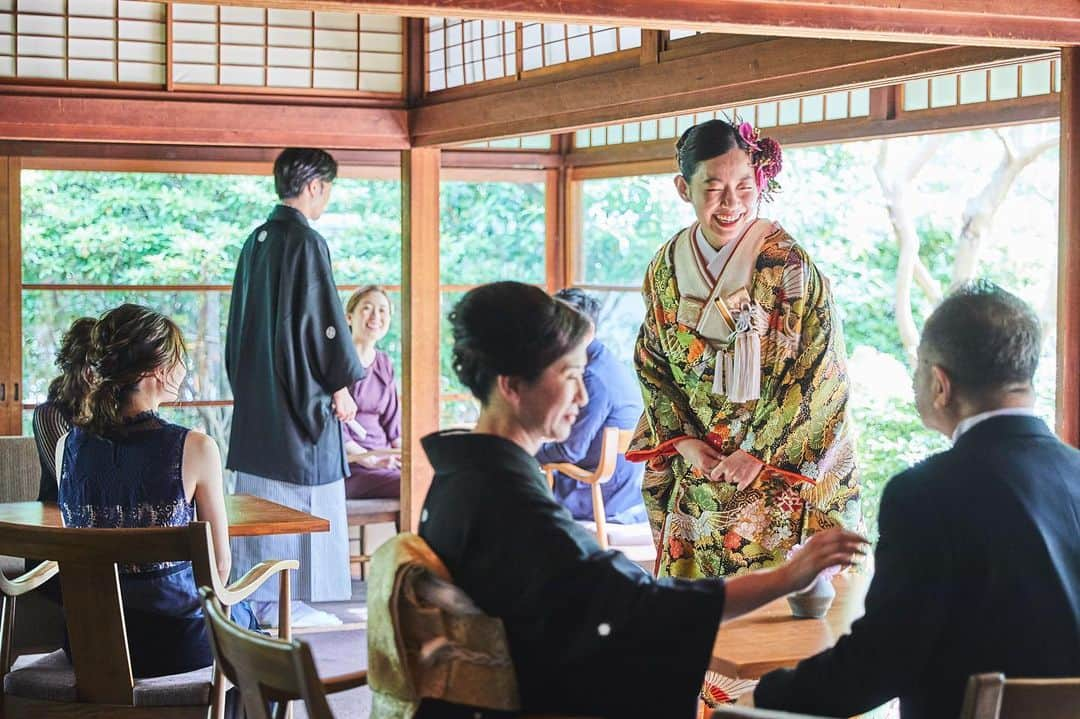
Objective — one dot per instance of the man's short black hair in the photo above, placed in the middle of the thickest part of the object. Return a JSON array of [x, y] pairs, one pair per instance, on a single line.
[[295, 167], [984, 337], [581, 301]]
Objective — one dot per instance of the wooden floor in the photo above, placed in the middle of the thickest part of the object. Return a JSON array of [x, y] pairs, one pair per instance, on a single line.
[[339, 650]]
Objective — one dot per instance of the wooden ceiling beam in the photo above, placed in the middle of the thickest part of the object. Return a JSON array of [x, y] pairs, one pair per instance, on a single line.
[[181, 122], [1046, 23], [765, 70]]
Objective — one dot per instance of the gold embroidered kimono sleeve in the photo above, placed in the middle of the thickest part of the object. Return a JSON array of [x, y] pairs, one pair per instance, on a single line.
[[798, 424]]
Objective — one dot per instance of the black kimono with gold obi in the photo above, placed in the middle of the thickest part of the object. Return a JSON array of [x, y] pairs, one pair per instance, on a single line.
[[590, 633]]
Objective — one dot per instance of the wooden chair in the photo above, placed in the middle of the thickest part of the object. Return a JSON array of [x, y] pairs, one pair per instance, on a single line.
[[266, 670], [992, 696], [635, 542], [40, 624], [362, 512], [98, 680], [20, 469]]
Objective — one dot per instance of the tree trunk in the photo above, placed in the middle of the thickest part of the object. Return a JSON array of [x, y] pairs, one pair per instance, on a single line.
[[909, 266], [978, 217]]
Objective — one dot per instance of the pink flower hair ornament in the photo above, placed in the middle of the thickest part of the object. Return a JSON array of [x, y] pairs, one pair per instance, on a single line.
[[765, 156]]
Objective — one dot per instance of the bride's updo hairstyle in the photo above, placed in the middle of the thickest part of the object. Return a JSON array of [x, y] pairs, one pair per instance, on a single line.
[[511, 329], [127, 344]]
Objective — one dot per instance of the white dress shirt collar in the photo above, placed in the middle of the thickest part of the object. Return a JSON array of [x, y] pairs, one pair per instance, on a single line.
[[968, 422]]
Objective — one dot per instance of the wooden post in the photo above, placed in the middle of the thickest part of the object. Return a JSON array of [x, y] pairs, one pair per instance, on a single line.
[[1068, 315], [555, 238], [415, 61], [10, 297], [420, 309]]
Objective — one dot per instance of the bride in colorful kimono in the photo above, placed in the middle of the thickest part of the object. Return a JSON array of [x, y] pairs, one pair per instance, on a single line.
[[745, 433]]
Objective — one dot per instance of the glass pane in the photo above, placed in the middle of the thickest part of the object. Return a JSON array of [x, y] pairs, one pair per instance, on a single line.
[[789, 112], [157, 228], [860, 102], [943, 91], [972, 86], [836, 105], [620, 319], [202, 317], [1003, 82], [137, 228], [813, 108], [1035, 78], [766, 114], [624, 222], [916, 95], [448, 381], [362, 227], [457, 412], [214, 421], [492, 231]]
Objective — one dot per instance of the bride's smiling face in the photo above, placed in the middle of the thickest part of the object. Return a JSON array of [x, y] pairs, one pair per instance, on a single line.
[[724, 194]]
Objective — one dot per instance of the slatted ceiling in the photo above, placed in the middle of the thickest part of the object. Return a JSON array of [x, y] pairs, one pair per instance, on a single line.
[[463, 52], [85, 40], [529, 142], [792, 111], [1026, 79], [257, 47], [547, 44]]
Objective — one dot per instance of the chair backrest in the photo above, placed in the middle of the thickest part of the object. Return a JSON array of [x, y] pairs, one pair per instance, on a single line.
[[263, 669], [614, 442], [992, 696], [20, 469], [90, 581]]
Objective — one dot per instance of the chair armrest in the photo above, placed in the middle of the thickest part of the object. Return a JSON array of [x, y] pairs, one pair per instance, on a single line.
[[573, 471], [343, 682], [29, 581], [255, 577]]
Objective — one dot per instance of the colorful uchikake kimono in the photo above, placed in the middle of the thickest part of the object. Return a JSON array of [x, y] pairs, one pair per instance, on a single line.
[[744, 353]]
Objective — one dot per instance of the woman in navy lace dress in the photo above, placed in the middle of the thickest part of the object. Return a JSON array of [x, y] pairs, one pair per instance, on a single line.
[[124, 466]]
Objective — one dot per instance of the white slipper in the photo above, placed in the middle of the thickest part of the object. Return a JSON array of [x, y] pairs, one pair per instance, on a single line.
[[302, 615]]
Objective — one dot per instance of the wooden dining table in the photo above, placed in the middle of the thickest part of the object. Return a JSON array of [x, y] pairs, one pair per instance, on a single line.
[[770, 638], [248, 515]]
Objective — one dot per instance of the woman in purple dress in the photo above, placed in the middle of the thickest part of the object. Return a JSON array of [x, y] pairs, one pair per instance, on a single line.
[[375, 470]]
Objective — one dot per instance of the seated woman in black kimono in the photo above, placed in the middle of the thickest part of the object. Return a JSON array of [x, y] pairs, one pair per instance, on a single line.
[[590, 633]]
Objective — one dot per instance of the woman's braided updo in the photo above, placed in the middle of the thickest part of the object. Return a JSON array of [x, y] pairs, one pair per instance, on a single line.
[[126, 344]]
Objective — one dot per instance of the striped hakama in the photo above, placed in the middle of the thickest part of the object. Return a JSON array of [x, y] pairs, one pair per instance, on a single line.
[[324, 556]]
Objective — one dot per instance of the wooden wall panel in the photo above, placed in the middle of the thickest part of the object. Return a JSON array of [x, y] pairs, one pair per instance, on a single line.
[[1068, 315], [182, 122], [10, 298], [420, 311]]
